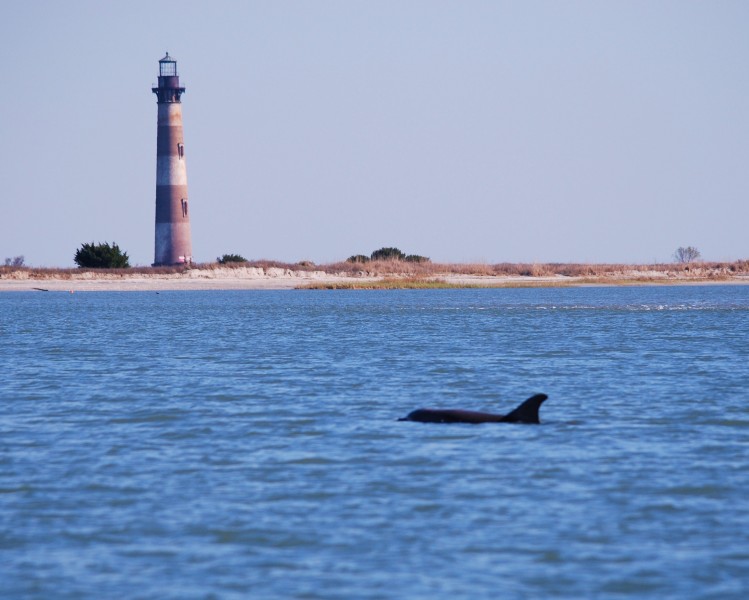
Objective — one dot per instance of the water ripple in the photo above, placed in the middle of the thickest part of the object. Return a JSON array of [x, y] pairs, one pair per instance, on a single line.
[[245, 444]]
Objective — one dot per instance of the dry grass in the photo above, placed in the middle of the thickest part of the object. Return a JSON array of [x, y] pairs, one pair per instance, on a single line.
[[57, 273], [386, 268], [583, 273]]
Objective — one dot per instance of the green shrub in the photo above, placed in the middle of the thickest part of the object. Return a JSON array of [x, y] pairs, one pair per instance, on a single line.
[[101, 256], [391, 254], [388, 254], [231, 258], [358, 258]]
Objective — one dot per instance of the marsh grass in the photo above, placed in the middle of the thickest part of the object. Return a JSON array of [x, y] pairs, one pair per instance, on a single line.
[[408, 283], [401, 268]]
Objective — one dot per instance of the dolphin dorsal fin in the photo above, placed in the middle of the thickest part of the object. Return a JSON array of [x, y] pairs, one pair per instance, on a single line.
[[527, 412]]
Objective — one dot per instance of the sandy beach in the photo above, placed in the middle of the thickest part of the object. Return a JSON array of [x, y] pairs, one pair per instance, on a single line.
[[193, 279], [273, 278]]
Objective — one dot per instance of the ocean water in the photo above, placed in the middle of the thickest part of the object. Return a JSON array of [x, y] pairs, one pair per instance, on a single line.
[[246, 444]]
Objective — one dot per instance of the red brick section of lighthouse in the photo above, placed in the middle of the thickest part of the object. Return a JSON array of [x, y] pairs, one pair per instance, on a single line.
[[173, 242]]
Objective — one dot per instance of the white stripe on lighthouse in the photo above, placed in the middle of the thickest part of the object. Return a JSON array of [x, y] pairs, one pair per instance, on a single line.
[[170, 114], [171, 170]]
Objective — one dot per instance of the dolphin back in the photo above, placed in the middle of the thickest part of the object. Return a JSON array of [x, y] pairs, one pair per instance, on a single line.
[[527, 412]]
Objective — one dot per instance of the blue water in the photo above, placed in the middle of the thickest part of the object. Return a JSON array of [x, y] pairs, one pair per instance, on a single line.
[[245, 444]]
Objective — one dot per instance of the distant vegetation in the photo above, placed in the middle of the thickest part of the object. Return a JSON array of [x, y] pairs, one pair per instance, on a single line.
[[411, 274], [16, 261], [392, 254], [101, 256], [686, 255], [231, 258], [416, 258]]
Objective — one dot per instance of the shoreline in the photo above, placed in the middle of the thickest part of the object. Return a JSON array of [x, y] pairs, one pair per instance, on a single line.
[[255, 278]]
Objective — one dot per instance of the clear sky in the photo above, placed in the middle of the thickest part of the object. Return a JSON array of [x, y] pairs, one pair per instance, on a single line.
[[533, 131]]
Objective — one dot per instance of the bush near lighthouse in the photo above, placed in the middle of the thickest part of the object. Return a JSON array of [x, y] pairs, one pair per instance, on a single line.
[[101, 256]]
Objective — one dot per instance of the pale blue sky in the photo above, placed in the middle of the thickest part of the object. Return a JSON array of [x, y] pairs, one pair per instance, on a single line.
[[465, 130]]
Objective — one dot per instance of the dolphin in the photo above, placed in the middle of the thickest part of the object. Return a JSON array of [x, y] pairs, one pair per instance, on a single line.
[[527, 412]]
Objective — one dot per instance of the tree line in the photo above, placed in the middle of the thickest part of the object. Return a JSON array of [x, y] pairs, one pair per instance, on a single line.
[[110, 256]]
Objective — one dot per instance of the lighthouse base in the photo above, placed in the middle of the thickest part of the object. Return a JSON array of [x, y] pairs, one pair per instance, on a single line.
[[173, 245]]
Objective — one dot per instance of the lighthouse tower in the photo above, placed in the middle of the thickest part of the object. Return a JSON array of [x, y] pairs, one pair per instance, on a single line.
[[173, 243]]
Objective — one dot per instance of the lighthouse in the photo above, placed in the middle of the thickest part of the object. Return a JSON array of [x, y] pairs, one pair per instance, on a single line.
[[173, 244]]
